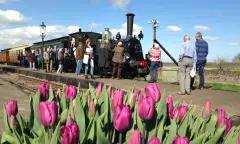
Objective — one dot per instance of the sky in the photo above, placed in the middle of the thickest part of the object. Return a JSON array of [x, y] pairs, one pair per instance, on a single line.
[[218, 20]]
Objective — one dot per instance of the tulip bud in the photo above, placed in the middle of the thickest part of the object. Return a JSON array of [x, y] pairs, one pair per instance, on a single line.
[[99, 89], [169, 104], [48, 113], [175, 113], [180, 112], [69, 120], [132, 99], [221, 114], [153, 91], [89, 99], [221, 122], [59, 92], [154, 140], [146, 108], [238, 142], [12, 108], [109, 90], [117, 99], [135, 137], [71, 92], [12, 122], [122, 118], [180, 140], [112, 94], [137, 94], [44, 91], [207, 111], [70, 134], [91, 111], [228, 126]]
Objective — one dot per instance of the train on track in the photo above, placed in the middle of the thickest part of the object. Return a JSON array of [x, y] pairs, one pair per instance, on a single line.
[[135, 64]]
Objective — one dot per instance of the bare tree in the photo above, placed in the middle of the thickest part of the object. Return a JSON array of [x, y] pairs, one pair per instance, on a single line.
[[236, 59], [220, 61]]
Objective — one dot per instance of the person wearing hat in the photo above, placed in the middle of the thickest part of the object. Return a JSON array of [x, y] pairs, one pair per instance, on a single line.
[[118, 59], [155, 53], [89, 52]]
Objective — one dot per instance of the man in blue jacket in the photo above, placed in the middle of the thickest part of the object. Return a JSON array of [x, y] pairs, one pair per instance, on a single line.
[[202, 53]]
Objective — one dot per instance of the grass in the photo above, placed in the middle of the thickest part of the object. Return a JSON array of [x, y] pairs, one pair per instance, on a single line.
[[223, 86]]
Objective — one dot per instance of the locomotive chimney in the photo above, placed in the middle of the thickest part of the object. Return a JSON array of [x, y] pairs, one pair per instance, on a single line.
[[130, 17]]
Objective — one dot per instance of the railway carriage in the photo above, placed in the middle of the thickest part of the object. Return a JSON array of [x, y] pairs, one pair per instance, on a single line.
[[4, 56], [15, 51]]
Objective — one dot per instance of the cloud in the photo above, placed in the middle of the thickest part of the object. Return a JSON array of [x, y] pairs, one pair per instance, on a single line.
[[234, 44], [201, 28], [3, 1], [123, 30], [94, 25], [121, 4], [12, 17], [173, 28], [31, 34], [211, 38]]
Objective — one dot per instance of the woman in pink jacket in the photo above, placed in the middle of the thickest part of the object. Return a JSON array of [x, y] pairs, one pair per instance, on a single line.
[[155, 57]]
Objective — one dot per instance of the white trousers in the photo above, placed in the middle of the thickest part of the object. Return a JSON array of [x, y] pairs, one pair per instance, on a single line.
[[60, 67], [32, 65]]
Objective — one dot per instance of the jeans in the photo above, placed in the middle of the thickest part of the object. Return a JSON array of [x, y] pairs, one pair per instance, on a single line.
[[79, 67], [200, 69], [91, 65], [154, 70], [32, 65], [20, 63]]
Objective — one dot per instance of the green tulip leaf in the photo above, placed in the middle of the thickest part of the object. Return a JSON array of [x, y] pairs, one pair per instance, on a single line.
[[196, 127], [70, 110], [64, 116], [8, 138], [31, 117], [211, 125], [7, 127], [101, 138], [78, 88], [230, 135], [216, 136], [80, 117], [162, 106], [91, 89], [56, 134], [182, 130], [160, 130], [90, 133], [198, 140], [17, 137], [22, 126], [126, 97], [85, 99], [176, 104], [172, 131], [51, 95], [139, 122]]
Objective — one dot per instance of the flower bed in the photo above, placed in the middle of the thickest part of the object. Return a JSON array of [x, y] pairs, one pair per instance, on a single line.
[[102, 116]]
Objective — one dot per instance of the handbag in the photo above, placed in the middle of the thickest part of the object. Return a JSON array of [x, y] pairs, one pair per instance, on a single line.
[[85, 58], [193, 72]]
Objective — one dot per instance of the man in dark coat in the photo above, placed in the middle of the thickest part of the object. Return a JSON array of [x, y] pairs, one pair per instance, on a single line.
[[104, 59]]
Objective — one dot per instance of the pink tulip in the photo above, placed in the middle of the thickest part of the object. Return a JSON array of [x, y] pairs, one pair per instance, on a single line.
[[122, 118], [146, 108], [153, 91], [221, 122], [228, 126], [174, 113], [12, 121], [238, 142], [70, 134], [117, 99], [48, 113], [180, 112], [221, 114], [135, 137], [44, 91], [91, 111], [12, 108], [207, 111], [59, 92], [112, 94], [69, 120], [89, 99], [132, 99], [169, 104], [180, 140], [137, 94], [154, 140], [71, 92], [109, 90], [99, 89]]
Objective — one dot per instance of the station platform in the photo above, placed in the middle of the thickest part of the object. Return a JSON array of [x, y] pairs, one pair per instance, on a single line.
[[220, 99]]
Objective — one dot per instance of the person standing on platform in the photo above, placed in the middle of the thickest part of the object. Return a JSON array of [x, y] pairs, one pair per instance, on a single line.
[[79, 58], [38, 60], [104, 59], [155, 53], [187, 60], [56, 59], [118, 60], [32, 60], [46, 59], [202, 53], [88, 51], [51, 58], [60, 61]]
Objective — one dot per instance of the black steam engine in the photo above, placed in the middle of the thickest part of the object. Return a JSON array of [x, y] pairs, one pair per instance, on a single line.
[[135, 64]]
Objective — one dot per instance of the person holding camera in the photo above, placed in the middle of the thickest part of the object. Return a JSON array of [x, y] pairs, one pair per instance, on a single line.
[[155, 56]]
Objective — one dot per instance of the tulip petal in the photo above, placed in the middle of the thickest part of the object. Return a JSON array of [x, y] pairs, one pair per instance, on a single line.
[[44, 114]]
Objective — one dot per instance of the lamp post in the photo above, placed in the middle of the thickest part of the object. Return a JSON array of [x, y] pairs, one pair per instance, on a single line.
[[155, 25], [42, 34]]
